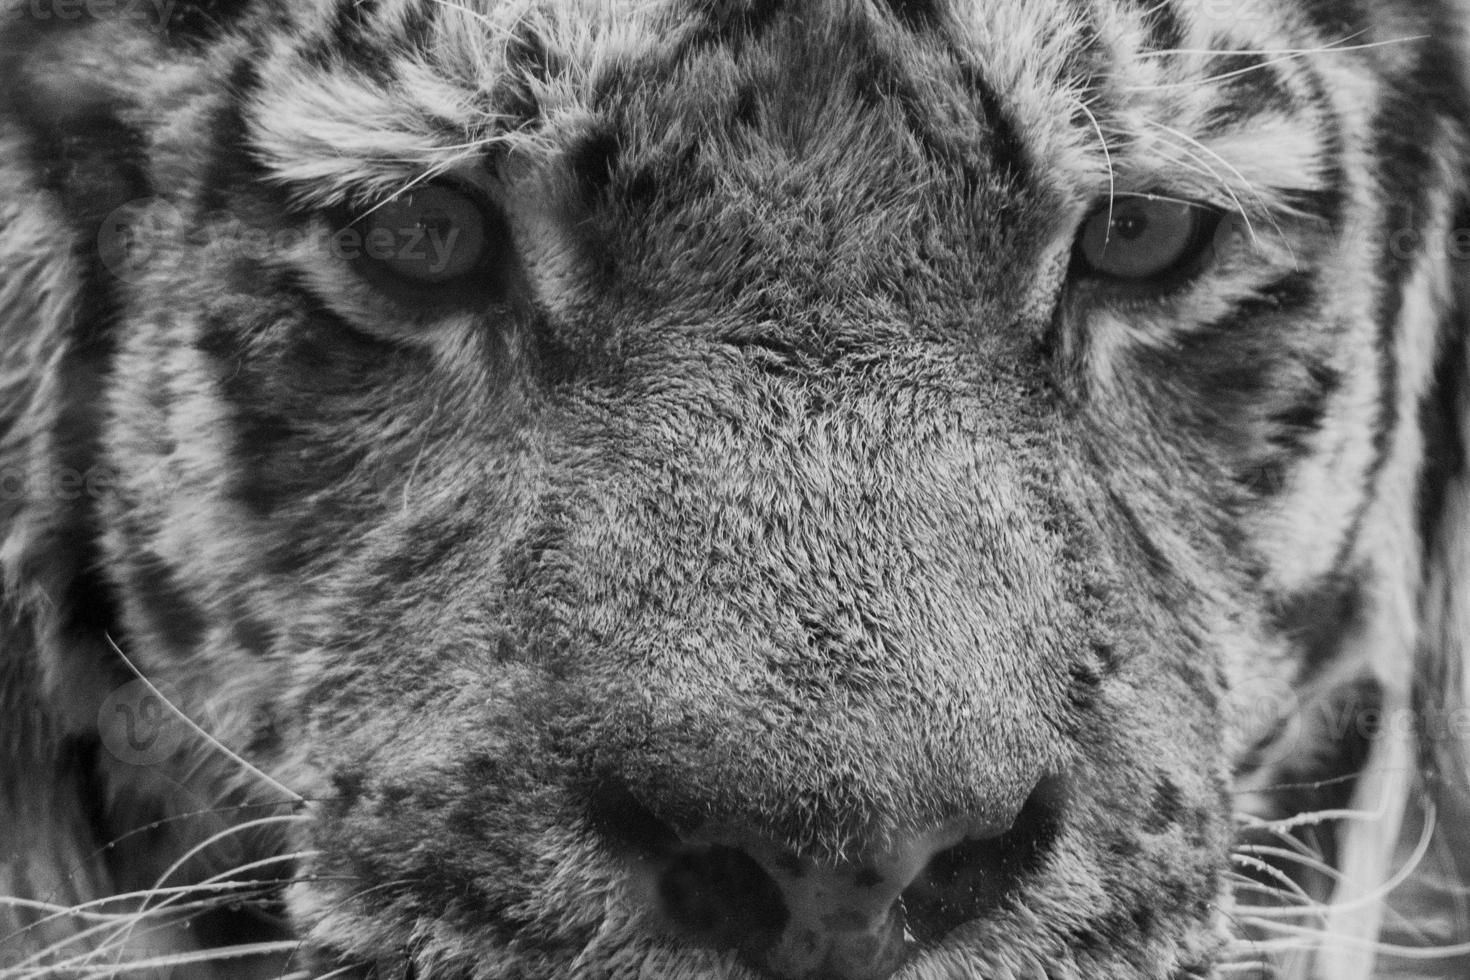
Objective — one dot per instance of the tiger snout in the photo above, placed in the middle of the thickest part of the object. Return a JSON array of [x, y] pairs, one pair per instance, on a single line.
[[732, 672], [856, 918]]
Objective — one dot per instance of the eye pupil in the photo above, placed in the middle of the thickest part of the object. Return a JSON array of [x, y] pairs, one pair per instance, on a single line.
[[438, 221], [1129, 227]]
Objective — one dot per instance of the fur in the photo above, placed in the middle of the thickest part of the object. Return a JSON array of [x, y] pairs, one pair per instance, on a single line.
[[782, 485]]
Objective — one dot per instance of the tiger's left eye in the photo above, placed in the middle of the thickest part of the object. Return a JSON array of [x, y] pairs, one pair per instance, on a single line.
[[1136, 239], [432, 234]]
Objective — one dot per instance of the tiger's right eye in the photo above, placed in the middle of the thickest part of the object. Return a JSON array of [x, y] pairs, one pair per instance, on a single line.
[[1145, 239]]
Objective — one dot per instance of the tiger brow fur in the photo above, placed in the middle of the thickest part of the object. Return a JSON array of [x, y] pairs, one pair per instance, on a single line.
[[1336, 133]]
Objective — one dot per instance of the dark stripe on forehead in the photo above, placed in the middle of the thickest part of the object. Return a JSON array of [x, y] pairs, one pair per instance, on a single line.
[[1338, 20], [1008, 151], [593, 159], [916, 15], [527, 54], [1085, 66], [1246, 85], [356, 38], [970, 135], [731, 23], [528, 59], [1089, 71], [1163, 29], [203, 20], [1329, 203], [230, 155], [346, 40]]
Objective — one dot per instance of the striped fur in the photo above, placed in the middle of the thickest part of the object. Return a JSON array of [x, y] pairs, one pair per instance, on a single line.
[[785, 480]]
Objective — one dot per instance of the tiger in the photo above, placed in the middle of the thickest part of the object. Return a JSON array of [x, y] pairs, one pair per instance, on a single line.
[[734, 489]]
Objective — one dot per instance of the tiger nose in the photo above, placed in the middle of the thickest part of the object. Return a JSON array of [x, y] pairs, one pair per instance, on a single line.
[[857, 919], [800, 919]]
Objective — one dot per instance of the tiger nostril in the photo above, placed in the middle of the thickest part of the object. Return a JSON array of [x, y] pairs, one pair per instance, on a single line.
[[723, 897], [718, 895], [963, 882], [619, 817]]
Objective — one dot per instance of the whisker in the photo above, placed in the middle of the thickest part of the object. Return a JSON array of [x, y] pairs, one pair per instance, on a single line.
[[161, 822], [1332, 48], [1291, 841], [1275, 873], [1193, 166], [340, 971], [433, 172], [115, 931], [84, 909], [1290, 905], [208, 738], [171, 960], [1314, 818], [122, 923], [124, 932], [1191, 141], [1312, 864], [1280, 56], [222, 835], [1244, 940], [1444, 951], [1314, 784], [1108, 157]]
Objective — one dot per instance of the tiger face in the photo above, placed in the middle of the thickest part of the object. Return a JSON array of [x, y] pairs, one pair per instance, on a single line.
[[813, 490]]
